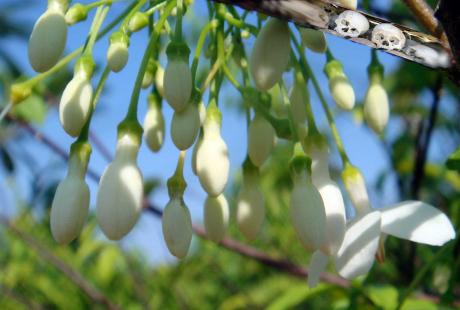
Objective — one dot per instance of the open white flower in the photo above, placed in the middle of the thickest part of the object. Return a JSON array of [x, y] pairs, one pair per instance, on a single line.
[[48, 38], [120, 195], [216, 217], [267, 63], [177, 227], [71, 200]]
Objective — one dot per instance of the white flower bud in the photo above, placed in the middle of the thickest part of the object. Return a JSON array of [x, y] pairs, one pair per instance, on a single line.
[[154, 127], [185, 126], [75, 105], [299, 99], [307, 212], [349, 4], [69, 209], [202, 112], [177, 227], [147, 79], [376, 107], [267, 63], [177, 84], [48, 39], [159, 80], [342, 92], [196, 146], [250, 208], [314, 40], [334, 205], [212, 163], [356, 189], [216, 216], [117, 56], [120, 195], [261, 140]]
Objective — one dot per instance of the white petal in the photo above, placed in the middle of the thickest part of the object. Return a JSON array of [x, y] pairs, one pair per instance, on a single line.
[[359, 246], [417, 221], [317, 266]]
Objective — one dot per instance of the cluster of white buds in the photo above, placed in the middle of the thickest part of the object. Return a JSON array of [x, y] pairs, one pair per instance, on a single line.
[[121, 188], [250, 213], [212, 162], [76, 100], [117, 53], [308, 215], [154, 124], [176, 221], [341, 90], [267, 64], [177, 76], [376, 104], [48, 38], [71, 200]]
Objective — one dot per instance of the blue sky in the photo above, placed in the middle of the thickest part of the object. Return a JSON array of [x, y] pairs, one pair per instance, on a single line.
[[147, 236]]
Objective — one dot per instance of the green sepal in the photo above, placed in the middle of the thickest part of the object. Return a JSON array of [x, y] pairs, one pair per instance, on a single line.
[[77, 13], [85, 66], [213, 113], [299, 162], [333, 68], [119, 37], [178, 51], [81, 149], [132, 128]]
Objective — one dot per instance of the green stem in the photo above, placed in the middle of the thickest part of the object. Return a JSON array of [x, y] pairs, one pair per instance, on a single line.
[[132, 110], [287, 104], [180, 12], [100, 86], [199, 45], [101, 14], [155, 8], [421, 273], [99, 3], [309, 72], [64, 61]]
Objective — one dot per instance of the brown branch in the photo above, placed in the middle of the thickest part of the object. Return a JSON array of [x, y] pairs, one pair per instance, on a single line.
[[48, 256], [425, 16], [280, 264]]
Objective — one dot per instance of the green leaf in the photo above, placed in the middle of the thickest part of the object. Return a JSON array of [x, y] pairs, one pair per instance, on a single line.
[[33, 110], [384, 296], [414, 304], [453, 162]]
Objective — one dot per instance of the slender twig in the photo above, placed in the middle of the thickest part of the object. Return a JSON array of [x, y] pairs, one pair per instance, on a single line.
[[94, 294]]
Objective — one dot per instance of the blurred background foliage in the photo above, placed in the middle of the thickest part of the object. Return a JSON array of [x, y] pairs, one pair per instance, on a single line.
[[36, 273]]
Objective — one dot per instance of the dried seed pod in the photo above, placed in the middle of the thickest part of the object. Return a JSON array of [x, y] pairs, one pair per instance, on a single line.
[[267, 64], [351, 24], [48, 39], [216, 217], [388, 37]]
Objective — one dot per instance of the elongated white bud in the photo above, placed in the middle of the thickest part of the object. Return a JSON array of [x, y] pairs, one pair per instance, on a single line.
[[75, 105], [117, 56], [159, 80], [154, 126], [299, 98], [48, 39], [376, 107], [261, 140], [177, 77], [120, 195], [267, 63], [71, 200], [185, 126], [341, 90], [334, 205], [356, 189], [196, 146], [177, 227], [349, 4], [250, 208], [314, 40], [307, 212], [216, 216], [212, 163]]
